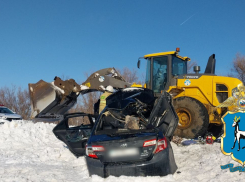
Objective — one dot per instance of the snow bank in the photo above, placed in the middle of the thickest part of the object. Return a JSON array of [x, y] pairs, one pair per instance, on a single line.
[[30, 152]]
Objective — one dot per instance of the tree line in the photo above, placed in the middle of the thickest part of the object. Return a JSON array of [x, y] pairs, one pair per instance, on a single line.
[[16, 99]]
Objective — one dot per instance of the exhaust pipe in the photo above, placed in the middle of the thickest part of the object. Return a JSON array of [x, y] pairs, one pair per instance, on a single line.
[[196, 69]]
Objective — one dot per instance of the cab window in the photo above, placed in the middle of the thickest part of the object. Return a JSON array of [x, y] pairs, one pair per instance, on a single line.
[[159, 73], [179, 67]]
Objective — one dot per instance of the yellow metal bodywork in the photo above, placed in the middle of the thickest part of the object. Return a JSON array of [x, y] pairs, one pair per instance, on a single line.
[[136, 85], [167, 53], [159, 54], [204, 90]]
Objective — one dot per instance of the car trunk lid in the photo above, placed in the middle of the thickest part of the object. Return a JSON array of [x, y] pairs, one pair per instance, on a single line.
[[130, 147]]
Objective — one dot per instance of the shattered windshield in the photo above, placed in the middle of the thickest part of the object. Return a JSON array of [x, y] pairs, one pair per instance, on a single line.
[[179, 67], [5, 110]]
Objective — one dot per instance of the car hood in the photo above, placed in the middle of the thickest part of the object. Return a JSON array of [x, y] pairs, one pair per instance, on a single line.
[[10, 115]]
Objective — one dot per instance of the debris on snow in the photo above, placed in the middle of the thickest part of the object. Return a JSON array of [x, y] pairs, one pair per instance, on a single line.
[[177, 140]]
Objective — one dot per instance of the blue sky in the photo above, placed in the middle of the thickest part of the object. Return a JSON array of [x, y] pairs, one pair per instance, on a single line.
[[43, 39]]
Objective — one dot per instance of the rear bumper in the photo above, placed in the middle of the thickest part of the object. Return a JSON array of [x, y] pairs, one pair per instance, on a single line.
[[161, 164]]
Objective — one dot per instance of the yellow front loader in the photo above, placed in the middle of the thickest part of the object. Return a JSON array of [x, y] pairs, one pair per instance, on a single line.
[[195, 96]]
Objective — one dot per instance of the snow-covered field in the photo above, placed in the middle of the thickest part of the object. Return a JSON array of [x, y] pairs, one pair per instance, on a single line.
[[30, 152]]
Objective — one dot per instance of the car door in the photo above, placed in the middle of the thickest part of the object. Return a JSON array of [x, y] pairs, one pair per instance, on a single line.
[[163, 115], [74, 130]]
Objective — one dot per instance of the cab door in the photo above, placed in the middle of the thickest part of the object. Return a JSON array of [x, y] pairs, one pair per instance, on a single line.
[[163, 115], [74, 130], [158, 71]]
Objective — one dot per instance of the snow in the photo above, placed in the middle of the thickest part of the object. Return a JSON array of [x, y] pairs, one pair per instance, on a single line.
[[132, 89], [83, 87], [30, 152]]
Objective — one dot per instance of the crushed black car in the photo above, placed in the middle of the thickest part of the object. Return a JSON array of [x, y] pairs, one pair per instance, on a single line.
[[130, 137]]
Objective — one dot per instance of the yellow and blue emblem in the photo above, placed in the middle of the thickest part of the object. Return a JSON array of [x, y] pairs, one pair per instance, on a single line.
[[233, 140], [187, 82]]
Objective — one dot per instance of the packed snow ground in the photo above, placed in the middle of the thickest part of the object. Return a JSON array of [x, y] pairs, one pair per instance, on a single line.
[[30, 152]]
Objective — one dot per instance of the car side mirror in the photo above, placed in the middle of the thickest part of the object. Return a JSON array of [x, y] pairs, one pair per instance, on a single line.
[[138, 64]]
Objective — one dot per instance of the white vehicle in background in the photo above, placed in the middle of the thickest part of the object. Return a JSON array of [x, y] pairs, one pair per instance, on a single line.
[[8, 115]]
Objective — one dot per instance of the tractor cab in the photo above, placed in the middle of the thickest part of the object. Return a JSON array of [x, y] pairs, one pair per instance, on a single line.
[[162, 70]]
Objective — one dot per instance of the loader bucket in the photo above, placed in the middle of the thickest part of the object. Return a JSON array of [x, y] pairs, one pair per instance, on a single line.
[[49, 101], [105, 77]]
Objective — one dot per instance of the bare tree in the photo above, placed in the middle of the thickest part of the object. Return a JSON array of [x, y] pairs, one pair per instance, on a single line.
[[64, 77], [88, 100], [16, 99], [85, 103], [129, 75], [141, 79], [238, 69]]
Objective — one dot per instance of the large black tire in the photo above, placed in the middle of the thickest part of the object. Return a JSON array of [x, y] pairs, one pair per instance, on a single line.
[[193, 117]]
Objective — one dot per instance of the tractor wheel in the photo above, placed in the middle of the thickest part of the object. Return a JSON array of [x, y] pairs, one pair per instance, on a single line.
[[193, 117]]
